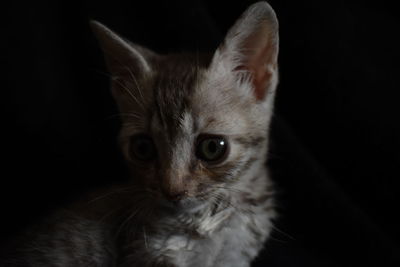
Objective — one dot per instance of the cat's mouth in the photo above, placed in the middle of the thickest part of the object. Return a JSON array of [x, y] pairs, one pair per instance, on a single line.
[[185, 204]]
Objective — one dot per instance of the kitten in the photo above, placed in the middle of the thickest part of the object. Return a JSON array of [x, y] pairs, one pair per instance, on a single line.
[[194, 135]]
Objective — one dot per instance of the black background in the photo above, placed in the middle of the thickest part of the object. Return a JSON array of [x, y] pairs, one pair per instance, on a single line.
[[335, 152]]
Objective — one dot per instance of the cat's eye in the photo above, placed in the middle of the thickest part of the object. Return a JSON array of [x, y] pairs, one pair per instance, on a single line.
[[142, 147], [212, 148]]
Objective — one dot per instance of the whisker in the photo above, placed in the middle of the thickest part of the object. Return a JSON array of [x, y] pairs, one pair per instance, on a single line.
[[223, 199], [131, 189], [282, 232], [128, 91], [231, 189], [145, 238], [131, 216], [106, 74], [105, 195], [136, 83]]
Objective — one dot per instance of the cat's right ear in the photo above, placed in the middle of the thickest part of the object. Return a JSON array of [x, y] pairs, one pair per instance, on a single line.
[[250, 50], [123, 58]]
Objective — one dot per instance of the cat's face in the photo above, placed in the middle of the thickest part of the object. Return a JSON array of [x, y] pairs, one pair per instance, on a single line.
[[191, 136], [192, 126]]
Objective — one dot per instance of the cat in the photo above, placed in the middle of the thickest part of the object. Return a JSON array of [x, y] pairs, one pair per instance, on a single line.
[[195, 136]]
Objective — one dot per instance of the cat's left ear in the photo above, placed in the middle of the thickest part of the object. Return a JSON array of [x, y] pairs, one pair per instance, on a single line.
[[250, 49], [122, 57]]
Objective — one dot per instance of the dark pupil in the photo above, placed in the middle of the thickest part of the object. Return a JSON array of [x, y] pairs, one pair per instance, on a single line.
[[212, 147], [143, 149]]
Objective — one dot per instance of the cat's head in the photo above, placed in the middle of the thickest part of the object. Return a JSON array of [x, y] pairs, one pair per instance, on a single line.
[[192, 125]]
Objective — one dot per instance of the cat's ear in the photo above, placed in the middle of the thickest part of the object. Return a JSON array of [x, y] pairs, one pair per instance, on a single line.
[[122, 57], [250, 49]]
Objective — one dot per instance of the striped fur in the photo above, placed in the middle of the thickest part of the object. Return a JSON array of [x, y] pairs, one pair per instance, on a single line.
[[225, 216]]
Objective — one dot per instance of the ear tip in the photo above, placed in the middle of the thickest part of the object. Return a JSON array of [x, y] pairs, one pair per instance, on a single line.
[[101, 31], [96, 25], [263, 9], [264, 5]]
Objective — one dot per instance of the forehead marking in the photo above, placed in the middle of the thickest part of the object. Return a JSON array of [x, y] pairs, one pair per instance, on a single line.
[[173, 90], [187, 122]]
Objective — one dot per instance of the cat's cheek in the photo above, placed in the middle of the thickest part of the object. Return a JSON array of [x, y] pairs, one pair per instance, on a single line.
[[144, 172], [202, 187]]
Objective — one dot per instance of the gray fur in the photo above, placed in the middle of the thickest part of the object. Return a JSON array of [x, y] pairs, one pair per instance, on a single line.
[[226, 214]]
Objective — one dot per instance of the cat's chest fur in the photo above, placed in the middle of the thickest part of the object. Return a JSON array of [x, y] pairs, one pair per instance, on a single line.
[[230, 234], [227, 238], [220, 240]]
